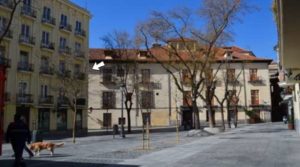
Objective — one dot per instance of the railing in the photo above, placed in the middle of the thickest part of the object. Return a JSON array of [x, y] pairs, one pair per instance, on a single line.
[[48, 45], [27, 39], [46, 100], [64, 74], [5, 61], [9, 33], [46, 70], [79, 54], [6, 4], [65, 50], [256, 80], [62, 101], [67, 27], [24, 98], [28, 11], [80, 32], [151, 85], [25, 66], [80, 76], [50, 20]]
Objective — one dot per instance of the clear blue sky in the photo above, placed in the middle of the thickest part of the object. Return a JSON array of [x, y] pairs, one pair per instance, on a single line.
[[256, 32]]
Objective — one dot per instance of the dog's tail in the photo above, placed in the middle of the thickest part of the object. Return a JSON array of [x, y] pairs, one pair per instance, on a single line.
[[59, 144]]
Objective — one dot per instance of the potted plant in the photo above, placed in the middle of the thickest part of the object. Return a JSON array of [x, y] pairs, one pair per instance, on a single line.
[[291, 122]]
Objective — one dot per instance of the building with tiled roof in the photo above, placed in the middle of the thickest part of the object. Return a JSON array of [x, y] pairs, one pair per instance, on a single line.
[[153, 84]]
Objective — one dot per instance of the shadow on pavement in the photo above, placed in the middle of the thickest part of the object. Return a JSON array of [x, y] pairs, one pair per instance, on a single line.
[[44, 163]]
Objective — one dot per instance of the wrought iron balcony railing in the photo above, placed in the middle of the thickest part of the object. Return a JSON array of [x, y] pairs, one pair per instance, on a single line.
[[28, 11], [24, 98]]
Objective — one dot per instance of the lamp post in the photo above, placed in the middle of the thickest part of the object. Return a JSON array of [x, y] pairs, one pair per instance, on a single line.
[[122, 116]]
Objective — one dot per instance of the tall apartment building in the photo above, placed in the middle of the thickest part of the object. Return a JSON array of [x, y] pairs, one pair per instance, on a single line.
[[46, 37], [156, 96]]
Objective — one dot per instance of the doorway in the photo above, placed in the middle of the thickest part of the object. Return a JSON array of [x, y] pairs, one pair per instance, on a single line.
[[187, 118]]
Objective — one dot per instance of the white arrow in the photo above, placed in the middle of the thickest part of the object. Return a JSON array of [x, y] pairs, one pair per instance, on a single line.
[[97, 66]]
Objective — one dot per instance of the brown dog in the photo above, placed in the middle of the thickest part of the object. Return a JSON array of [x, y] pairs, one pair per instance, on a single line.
[[39, 146]]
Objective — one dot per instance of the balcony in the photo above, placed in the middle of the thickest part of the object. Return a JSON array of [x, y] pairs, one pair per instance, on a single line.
[[64, 50], [79, 54], [26, 67], [233, 81], [150, 85], [80, 102], [64, 74], [27, 40], [46, 70], [80, 33], [62, 101], [5, 62], [65, 27], [28, 11], [46, 100], [48, 46], [24, 99], [256, 80], [8, 35], [51, 21], [79, 76], [6, 4]]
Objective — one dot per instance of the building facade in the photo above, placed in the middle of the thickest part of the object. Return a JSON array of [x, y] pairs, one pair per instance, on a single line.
[[288, 32], [46, 38], [156, 97]]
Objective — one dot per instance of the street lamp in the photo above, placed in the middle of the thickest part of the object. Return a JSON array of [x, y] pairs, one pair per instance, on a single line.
[[122, 87]]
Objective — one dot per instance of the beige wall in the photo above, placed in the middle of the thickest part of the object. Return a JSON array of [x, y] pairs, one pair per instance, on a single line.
[[168, 95]]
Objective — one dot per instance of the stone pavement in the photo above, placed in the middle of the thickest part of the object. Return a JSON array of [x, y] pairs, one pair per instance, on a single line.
[[260, 145]]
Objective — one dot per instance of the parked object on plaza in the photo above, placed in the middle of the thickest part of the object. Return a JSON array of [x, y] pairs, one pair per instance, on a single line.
[[39, 146], [253, 116], [284, 119]]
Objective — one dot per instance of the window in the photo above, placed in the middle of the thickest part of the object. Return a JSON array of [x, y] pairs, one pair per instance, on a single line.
[[27, 2], [187, 98], [78, 26], [77, 68], [107, 75], [61, 119], [25, 30], [120, 72], [63, 20], [107, 120], [2, 51], [62, 66], [146, 117], [77, 46], [62, 42], [44, 62], [253, 74], [23, 88], [24, 59], [231, 74], [44, 119], [145, 75], [3, 23], [46, 13], [147, 99], [78, 119], [232, 97], [186, 76], [108, 100], [45, 37], [254, 97], [44, 91]]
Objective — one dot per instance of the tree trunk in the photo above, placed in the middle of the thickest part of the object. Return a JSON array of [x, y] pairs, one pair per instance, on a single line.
[[74, 122], [128, 121], [236, 117], [210, 117], [196, 112], [228, 117], [222, 117]]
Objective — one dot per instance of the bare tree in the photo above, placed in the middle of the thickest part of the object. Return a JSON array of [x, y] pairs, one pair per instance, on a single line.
[[122, 47], [4, 29], [196, 46]]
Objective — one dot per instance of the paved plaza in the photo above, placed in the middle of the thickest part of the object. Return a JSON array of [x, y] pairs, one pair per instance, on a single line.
[[260, 145]]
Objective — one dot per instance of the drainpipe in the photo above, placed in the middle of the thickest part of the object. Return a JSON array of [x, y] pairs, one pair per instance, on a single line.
[[245, 90], [170, 98]]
